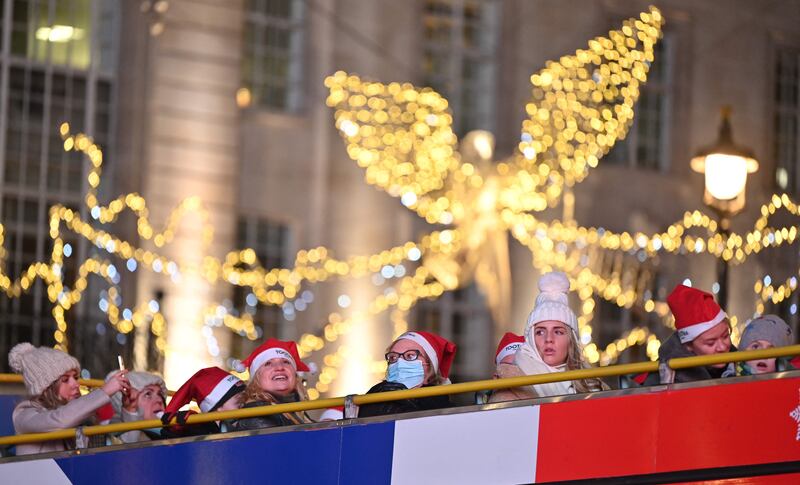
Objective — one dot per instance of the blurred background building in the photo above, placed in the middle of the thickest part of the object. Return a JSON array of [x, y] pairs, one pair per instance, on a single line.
[[224, 99]]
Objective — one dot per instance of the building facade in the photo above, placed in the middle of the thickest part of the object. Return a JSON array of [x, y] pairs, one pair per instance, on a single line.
[[225, 100]]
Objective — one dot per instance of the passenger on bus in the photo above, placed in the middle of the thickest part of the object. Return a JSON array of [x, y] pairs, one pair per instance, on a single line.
[[276, 377], [764, 332], [551, 344], [51, 379], [212, 389], [504, 358], [415, 359], [701, 328], [144, 399]]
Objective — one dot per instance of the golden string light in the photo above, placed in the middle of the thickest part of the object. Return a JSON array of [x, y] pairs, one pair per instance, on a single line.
[[402, 136]]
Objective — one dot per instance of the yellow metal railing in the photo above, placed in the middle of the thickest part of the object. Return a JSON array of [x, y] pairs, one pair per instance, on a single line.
[[490, 384]]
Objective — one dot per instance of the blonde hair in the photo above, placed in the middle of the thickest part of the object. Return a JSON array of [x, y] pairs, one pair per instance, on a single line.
[[254, 393], [575, 361]]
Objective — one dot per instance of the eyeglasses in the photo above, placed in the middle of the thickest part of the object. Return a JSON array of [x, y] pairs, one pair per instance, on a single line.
[[408, 355]]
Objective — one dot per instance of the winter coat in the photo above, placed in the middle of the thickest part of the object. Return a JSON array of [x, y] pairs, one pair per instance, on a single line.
[[512, 393], [270, 420], [31, 417], [673, 348], [197, 429], [529, 392], [403, 406], [137, 434]]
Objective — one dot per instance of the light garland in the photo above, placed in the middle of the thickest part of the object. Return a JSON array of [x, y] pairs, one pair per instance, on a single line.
[[402, 136]]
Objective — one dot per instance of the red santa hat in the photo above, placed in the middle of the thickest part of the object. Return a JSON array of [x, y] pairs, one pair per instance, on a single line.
[[209, 388], [509, 344], [271, 349], [441, 351], [332, 414], [695, 311]]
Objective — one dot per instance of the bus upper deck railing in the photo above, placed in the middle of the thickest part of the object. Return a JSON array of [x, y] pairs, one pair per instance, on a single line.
[[465, 387]]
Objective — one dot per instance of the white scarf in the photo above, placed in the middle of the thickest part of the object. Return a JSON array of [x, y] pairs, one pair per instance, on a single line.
[[531, 363]]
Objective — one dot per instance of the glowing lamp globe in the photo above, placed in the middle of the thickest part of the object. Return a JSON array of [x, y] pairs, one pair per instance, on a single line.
[[726, 166]]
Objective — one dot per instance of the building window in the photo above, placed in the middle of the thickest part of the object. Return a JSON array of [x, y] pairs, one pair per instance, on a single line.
[[646, 145], [270, 241], [461, 316], [459, 58], [273, 48], [52, 78], [787, 114]]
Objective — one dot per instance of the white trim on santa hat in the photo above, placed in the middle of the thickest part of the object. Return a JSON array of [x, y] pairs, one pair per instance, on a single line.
[[687, 334], [218, 393], [331, 414], [270, 353], [507, 350], [426, 346]]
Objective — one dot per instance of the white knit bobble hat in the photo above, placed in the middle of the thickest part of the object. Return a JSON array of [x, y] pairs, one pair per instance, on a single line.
[[552, 302], [40, 366]]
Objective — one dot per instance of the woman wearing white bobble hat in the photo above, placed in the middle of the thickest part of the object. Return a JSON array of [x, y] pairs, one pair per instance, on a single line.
[[551, 345], [51, 378]]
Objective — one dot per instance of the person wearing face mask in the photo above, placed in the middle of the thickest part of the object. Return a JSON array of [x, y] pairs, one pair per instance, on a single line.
[[51, 379], [764, 332], [550, 345], [415, 359], [701, 328], [212, 389], [144, 399], [276, 374]]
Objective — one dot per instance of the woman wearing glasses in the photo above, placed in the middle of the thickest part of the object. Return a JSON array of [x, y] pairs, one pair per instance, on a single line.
[[415, 359]]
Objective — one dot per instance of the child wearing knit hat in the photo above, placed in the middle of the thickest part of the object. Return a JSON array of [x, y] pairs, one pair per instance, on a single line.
[[51, 379], [764, 332]]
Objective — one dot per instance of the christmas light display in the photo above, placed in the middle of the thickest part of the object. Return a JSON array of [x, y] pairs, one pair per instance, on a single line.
[[403, 139]]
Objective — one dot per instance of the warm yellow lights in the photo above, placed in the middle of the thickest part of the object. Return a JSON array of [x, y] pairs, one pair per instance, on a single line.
[[725, 175], [402, 137]]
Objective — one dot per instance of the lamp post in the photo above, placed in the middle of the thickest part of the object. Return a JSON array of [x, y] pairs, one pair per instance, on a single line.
[[726, 166]]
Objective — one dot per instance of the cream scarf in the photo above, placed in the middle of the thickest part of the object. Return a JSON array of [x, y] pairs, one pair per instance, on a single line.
[[531, 363]]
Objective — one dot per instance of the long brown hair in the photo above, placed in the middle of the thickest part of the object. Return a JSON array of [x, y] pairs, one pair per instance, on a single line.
[[49, 398], [254, 393]]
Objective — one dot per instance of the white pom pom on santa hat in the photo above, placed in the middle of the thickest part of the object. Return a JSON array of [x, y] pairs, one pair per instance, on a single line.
[[238, 365]]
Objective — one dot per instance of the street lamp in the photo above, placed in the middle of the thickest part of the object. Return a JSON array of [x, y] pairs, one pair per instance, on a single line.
[[725, 165]]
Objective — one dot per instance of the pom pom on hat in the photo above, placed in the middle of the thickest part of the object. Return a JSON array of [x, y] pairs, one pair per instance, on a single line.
[[238, 365], [16, 355], [552, 303], [40, 366], [554, 282]]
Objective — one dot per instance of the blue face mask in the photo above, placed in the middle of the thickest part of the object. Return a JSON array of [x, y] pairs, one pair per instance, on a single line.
[[410, 374]]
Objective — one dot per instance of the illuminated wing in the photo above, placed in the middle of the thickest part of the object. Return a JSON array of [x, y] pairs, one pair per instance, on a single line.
[[401, 135], [581, 106]]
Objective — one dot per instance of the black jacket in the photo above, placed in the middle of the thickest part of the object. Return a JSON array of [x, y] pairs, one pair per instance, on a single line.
[[268, 421], [404, 406], [673, 348]]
